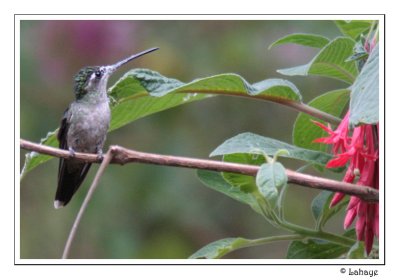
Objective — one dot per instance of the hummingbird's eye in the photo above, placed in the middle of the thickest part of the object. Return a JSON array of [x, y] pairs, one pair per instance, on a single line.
[[98, 73]]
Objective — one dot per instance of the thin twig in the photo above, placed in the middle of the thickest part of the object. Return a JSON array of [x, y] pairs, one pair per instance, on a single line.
[[123, 156], [106, 161]]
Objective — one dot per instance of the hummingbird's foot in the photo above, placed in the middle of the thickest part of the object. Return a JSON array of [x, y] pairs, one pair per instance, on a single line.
[[100, 155], [71, 152]]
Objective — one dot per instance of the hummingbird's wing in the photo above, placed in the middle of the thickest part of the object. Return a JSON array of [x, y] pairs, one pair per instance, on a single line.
[[71, 173], [63, 131]]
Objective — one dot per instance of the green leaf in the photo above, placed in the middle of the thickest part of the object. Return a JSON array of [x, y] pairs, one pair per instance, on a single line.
[[134, 100], [270, 179], [329, 62], [215, 181], [246, 183], [233, 84], [350, 233], [333, 102], [318, 205], [272, 89], [357, 251], [219, 248], [34, 159], [315, 249], [256, 144], [141, 92], [308, 40], [321, 210], [139, 81], [364, 101], [353, 28]]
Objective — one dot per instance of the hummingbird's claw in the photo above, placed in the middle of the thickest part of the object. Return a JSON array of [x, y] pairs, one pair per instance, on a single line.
[[71, 152], [100, 155]]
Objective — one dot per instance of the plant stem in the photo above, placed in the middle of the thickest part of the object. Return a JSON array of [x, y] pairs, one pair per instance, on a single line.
[[265, 240], [319, 234], [103, 166], [281, 223], [297, 105], [304, 108]]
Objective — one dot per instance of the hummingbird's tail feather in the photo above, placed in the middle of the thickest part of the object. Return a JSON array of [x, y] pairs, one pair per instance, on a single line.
[[70, 177]]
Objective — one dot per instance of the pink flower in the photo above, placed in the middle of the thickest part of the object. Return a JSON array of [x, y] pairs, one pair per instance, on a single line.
[[360, 151]]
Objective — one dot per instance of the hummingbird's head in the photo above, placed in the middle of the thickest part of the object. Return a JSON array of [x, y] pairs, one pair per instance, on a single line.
[[93, 79]]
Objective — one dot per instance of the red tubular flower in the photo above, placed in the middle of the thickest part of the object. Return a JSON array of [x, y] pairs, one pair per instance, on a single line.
[[360, 150], [337, 138]]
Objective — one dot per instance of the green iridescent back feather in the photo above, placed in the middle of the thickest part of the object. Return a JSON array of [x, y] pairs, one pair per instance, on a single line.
[[81, 79]]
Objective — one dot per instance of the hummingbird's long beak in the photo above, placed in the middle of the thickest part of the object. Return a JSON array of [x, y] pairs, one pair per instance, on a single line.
[[114, 67]]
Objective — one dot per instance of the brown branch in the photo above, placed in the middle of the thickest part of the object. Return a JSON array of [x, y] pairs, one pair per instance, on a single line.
[[123, 156]]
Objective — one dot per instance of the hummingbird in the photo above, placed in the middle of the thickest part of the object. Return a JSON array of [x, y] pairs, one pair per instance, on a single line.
[[84, 125]]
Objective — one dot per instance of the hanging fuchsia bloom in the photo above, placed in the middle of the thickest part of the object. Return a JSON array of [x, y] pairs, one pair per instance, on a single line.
[[360, 151], [337, 138]]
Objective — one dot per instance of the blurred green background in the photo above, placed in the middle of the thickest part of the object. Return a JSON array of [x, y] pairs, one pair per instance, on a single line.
[[144, 211]]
